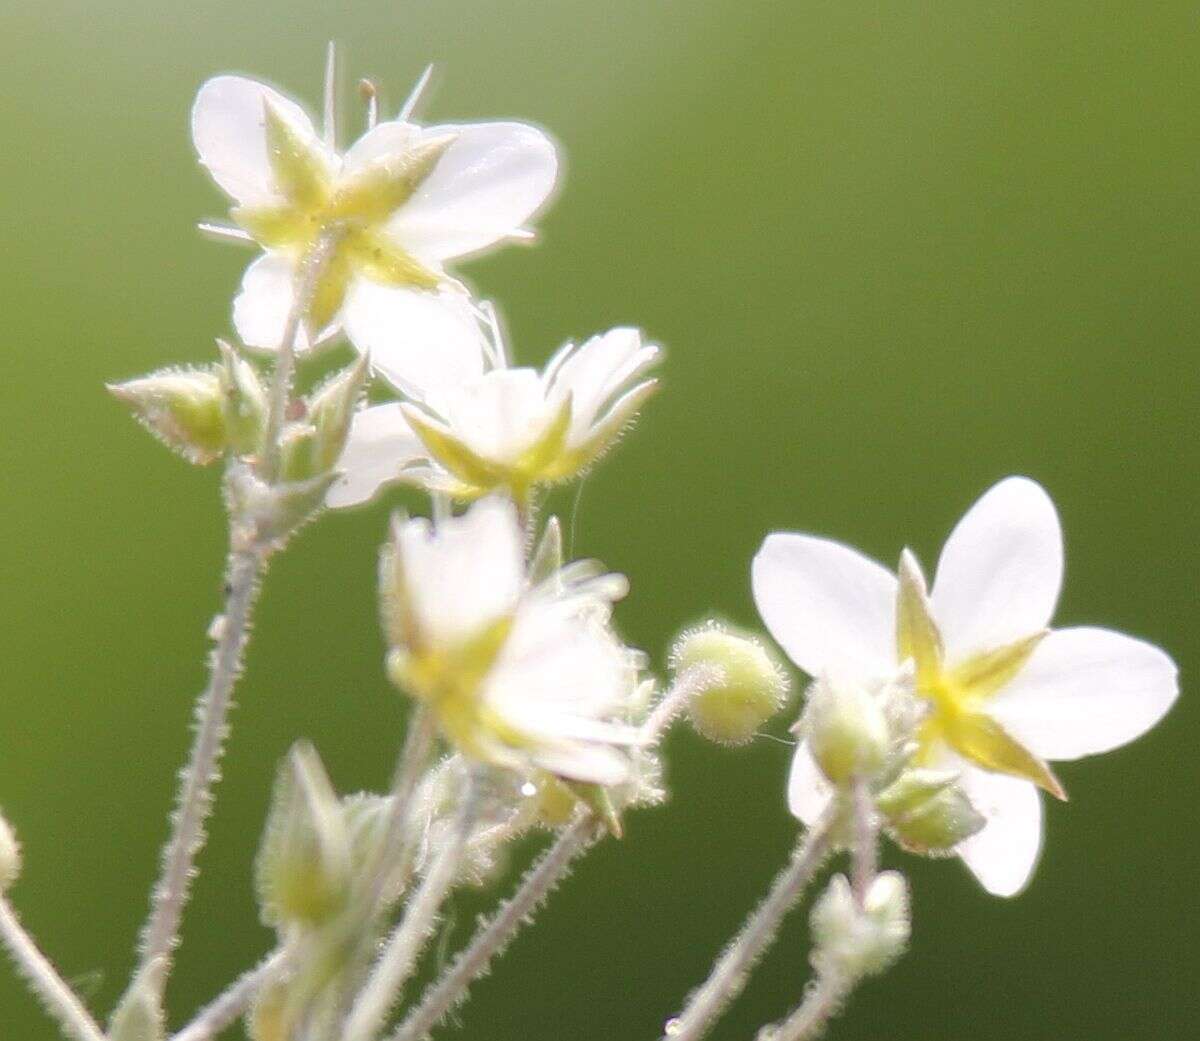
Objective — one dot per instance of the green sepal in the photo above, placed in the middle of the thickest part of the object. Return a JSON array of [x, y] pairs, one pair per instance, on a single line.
[[243, 401], [597, 799], [139, 1016], [331, 410], [182, 408]]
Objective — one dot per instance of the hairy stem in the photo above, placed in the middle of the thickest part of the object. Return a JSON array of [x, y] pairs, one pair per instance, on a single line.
[[822, 1002], [400, 953], [56, 997], [161, 931], [223, 1010], [493, 936], [731, 970], [865, 862], [687, 684]]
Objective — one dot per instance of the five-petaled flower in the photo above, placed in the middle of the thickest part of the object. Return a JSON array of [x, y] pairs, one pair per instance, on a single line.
[[478, 425], [387, 214], [1005, 694], [521, 673]]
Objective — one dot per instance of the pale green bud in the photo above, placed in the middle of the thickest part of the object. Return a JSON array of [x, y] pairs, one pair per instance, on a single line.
[[846, 730], [183, 408], [330, 411], [927, 811], [855, 941], [10, 856], [139, 1016], [304, 862], [298, 450], [740, 684], [244, 400]]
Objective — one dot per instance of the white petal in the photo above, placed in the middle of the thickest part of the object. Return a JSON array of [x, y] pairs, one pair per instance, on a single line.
[[1003, 855], [499, 416], [467, 573], [1085, 691], [380, 444], [596, 372], [808, 791], [420, 342], [1000, 571], [487, 184], [594, 764], [829, 607], [261, 308], [228, 130]]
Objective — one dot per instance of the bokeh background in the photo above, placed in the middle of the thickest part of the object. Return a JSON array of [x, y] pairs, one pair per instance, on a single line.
[[896, 251]]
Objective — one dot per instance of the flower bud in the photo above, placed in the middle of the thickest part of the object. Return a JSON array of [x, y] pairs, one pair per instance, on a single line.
[[304, 862], [139, 1016], [846, 730], [10, 856], [855, 941], [244, 401], [330, 410], [746, 686], [927, 811], [182, 408]]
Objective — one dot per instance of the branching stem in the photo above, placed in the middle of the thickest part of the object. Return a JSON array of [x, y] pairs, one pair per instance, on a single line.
[[730, 972], [223, 1010], [56, 997], [821, 1003], [493, 936]]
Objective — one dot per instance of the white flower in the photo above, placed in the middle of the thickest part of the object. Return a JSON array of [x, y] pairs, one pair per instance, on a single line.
[[1005, 694], [510, 428], [402, 201], [520, 675]]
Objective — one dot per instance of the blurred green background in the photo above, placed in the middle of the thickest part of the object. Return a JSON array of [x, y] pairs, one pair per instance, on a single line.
[[896, 251]]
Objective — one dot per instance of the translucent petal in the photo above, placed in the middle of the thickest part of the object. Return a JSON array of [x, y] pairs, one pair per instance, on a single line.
[[829, 607], [261, 308], [489, 182], [229, 132], [1085, 691], [1003, 855], [1000, 571], [500, 416], [380, 444], [421, 342], [808, 791]]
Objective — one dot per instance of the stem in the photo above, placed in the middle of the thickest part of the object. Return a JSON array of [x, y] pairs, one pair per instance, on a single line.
[[399, 956], [822, 1002], [687, 684], [731, 970], [57, 998], [409, 770], [160, 934], [865, 862], [308, 275], [494, 936], [227, 1007]]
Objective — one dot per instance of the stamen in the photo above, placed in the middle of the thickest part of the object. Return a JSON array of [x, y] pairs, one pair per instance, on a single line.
[[370, 96], [330, 120], [223, 232], [414, 99]]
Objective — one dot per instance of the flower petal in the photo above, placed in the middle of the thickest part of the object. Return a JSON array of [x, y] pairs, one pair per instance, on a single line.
[[1003, 855], [1000, 571], [1085, 691], [229, 132], [487, 184], [380, 444], [500, 416], [808, 791], [421, 342], [829, 607], [261, 309]]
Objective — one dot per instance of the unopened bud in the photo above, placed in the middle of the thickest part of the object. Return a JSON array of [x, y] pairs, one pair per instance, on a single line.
[[244, 400], [846, 730], [927, 811], [854, 940], [304, 862], [10, 856], [330, 410], [139, 1016], [182, 408], [743, 688]]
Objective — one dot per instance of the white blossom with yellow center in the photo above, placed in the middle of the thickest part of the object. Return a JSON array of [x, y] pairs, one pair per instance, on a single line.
[[392, 210], [503, 428], [521, 674], [1005, 694]]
